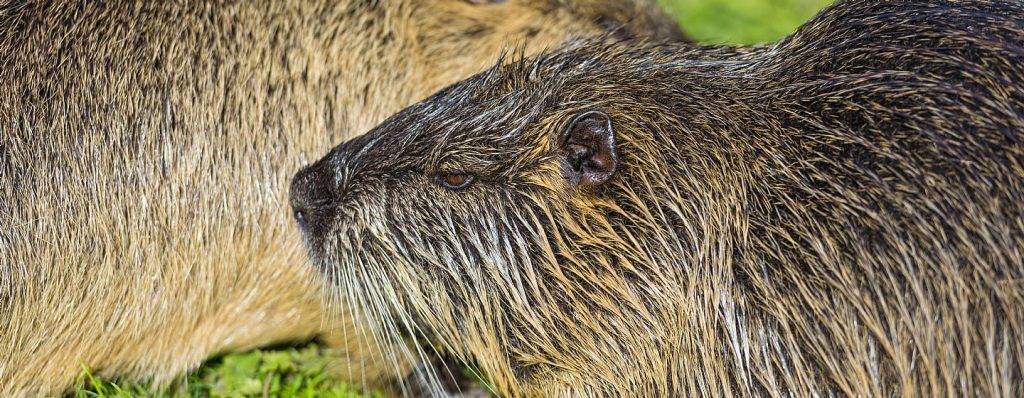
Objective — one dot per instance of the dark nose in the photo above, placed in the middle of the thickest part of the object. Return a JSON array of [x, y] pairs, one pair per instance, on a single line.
[[312, 198]]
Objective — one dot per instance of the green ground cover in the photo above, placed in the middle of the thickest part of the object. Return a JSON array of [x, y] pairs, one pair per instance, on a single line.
[[741, 21], [299, 371]]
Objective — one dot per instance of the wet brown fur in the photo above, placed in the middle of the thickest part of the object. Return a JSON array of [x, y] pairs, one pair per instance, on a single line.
[[145, 148], [839, 213]]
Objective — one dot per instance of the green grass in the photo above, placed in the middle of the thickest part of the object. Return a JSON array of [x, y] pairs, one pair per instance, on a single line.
[[291, 373], [299, 371], [741, 21]]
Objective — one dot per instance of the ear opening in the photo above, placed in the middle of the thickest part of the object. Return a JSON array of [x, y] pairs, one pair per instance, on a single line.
[[589, 157]]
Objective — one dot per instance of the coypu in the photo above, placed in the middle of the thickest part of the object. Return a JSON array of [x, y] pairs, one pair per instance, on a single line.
[[837, 213], [146, 148]]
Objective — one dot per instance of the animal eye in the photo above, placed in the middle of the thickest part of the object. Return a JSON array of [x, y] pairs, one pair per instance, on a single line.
[[455, 181]]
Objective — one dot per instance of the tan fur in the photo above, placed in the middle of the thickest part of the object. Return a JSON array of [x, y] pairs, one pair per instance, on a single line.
[[144, 151], [837, 214]]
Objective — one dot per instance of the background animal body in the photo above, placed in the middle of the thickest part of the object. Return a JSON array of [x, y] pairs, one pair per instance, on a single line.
[[145, 148], [837, 213]]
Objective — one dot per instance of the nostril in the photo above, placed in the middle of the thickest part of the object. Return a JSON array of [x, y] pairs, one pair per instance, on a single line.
[[300, 217]]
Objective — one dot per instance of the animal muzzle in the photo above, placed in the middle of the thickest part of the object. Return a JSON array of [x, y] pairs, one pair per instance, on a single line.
[[312, 198]]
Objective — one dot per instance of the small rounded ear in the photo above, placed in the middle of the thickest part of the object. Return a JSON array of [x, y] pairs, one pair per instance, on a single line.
[[588, 149]]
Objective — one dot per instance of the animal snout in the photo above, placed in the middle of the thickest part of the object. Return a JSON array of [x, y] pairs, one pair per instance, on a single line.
[[312, 198]]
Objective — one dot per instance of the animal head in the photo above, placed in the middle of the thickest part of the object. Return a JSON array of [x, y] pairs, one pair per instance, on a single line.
[[521, 213]]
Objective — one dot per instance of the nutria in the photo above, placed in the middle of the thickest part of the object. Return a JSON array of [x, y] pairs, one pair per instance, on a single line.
[[838, 213], [145, 152]]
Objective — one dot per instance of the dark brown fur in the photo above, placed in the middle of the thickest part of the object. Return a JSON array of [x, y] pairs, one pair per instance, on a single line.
[[840, 213], [146, 147]]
